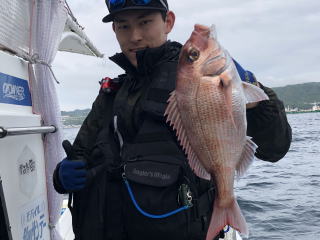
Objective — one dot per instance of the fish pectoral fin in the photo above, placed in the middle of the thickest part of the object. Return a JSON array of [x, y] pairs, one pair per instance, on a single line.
[[226, 86], [253, 93], [246, 158]]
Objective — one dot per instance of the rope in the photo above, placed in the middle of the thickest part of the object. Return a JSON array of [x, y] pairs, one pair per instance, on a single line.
[[35, 59], [51, 226], [71, 15]]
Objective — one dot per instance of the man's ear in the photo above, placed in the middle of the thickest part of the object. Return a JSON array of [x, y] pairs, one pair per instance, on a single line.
[[113, 27], [170, 20]]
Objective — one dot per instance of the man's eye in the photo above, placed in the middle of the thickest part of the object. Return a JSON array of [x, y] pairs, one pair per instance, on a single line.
[[123, 26], [145, 22]]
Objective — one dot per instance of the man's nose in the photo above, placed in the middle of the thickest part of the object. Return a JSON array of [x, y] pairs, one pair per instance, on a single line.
[[136, 34]]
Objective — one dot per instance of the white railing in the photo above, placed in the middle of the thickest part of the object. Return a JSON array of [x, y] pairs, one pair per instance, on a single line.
[[5, 132]]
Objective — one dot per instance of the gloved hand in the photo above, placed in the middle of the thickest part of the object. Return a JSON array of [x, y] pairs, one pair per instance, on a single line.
[[246, 76], [72, 172]]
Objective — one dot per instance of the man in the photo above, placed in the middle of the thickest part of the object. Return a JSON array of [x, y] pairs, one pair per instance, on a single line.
[[126, 171]]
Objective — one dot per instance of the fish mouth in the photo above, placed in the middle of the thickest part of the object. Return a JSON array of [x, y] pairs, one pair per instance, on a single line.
[[213, 32], [209, 32], [202, 29]]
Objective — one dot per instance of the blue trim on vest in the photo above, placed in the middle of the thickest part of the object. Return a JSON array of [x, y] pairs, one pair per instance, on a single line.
[[14, 90]]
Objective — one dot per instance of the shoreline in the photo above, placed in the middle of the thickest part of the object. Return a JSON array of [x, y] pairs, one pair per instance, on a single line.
[[298, 112], [70, 126]]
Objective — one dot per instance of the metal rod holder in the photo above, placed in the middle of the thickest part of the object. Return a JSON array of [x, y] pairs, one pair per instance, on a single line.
[[5, 132]]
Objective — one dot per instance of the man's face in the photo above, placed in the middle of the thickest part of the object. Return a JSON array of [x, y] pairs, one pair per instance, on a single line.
[[139, 29]]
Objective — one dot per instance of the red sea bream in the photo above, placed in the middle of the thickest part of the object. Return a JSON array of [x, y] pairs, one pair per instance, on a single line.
[[208, 111]]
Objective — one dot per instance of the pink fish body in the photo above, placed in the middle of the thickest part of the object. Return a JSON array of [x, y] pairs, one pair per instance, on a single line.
[[208, 110]]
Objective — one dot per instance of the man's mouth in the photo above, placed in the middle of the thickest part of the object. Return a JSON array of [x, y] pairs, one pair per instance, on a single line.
[[137, 49]]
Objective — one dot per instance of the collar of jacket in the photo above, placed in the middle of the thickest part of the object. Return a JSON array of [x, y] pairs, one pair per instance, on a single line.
[[149, 58]]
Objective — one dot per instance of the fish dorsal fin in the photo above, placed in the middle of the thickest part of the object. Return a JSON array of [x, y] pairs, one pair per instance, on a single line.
[[253, 93], [247, 157], [173, 116]]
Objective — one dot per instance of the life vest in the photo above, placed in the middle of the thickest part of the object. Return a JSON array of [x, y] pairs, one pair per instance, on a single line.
[[155, 166]]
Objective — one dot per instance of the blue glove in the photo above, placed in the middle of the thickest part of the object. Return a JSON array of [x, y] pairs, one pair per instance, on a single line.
[[246, 76], [72, 172]]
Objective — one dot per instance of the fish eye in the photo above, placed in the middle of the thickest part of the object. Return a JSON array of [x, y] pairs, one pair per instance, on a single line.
[[194, 54]]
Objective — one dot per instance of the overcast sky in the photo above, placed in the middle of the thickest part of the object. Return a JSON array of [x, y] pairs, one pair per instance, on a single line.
[[277, 40]]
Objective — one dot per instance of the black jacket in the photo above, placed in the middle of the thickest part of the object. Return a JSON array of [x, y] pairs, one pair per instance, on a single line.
[[267, 125]]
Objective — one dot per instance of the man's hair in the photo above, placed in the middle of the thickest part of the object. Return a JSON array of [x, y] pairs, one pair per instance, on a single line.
[[163, 15]]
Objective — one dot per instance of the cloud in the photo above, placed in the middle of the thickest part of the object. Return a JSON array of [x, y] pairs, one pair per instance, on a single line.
[[277, 40]]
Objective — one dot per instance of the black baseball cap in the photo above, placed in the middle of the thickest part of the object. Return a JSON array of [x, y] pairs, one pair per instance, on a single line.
[[125, 5]]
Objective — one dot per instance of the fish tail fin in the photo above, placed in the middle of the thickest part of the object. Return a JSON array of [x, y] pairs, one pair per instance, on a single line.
[[223, 216]]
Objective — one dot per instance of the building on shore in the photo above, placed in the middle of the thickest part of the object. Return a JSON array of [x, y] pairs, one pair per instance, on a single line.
[[315, 108]]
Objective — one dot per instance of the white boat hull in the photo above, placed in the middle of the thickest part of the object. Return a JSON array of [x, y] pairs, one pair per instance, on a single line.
[[22, 165]]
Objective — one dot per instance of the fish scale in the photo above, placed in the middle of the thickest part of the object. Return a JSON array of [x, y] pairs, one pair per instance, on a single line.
[[207, 110]]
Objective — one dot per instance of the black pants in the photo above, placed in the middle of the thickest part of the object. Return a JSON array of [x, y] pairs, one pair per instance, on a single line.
[[3, 227]]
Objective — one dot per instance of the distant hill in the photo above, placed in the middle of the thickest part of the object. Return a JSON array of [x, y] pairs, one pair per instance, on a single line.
[[75, 117], [295, 96], [76, 113], [299, 95]]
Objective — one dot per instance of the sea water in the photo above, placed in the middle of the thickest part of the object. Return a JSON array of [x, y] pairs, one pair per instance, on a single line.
[[282, 200]]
